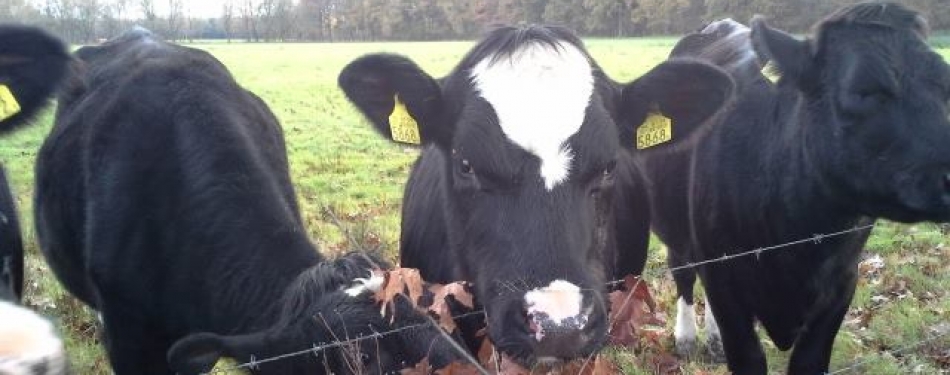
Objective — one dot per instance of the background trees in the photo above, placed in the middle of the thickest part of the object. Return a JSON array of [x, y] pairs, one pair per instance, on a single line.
[[85, 21]]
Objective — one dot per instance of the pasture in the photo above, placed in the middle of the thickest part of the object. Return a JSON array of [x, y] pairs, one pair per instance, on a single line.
[[349, 183]]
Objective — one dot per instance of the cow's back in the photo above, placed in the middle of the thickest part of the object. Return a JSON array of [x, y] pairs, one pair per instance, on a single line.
[[175, 181]]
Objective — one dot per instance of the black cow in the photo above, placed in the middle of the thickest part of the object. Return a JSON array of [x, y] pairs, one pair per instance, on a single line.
[[164, 202], [521, 143], [855, 129], [32, 63]]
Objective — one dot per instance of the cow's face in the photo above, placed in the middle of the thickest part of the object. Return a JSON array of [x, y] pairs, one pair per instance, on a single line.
[[529, 128], [879, 105], [28, 343]]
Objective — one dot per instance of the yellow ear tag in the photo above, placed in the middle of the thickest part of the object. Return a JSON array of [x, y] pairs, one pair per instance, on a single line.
[[8, 104], [403, 127], [655, 130]]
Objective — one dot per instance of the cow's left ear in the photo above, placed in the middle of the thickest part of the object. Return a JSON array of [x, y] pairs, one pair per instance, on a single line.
[[403, 102], [199, 353], [32, 64], [670, 102]]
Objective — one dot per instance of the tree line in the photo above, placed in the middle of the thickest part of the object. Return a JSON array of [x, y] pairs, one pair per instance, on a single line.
[[85, 21]]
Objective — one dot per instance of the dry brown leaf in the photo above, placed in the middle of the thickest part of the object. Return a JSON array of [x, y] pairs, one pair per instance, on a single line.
[[440, 306], [421, 368], [631, 308], [400, 281]]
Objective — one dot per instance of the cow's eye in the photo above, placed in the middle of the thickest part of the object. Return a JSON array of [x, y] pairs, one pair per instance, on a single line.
[[365, 358], [466, 167]]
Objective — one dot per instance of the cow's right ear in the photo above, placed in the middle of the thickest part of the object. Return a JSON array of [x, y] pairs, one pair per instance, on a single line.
[[791, 57], [199, 353], [32, 64], [403, 102]]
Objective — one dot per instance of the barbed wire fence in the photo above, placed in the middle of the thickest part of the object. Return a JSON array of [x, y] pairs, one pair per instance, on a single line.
[[254, 363]]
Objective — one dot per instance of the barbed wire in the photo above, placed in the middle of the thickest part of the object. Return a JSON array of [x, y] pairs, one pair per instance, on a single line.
[[254, 363], [815, 239]]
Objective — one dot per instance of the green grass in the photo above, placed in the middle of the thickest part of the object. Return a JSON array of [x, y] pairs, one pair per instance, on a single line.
[[339, 163]]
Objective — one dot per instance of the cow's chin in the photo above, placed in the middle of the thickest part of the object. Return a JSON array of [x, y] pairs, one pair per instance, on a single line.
[[918, 205], [514, 338]]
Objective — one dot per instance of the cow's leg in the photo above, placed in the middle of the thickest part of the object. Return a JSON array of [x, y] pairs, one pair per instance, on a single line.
[[685, 329], [713, 337], [812, 351], [132, 347], [737, 328]]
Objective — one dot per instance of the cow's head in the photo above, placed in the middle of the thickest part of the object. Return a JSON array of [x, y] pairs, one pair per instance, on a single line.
[[331, 303], [32, 64], [878, 108], [530, 127]]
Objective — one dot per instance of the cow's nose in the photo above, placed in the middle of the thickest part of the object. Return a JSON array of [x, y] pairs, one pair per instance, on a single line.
[[561, 321]]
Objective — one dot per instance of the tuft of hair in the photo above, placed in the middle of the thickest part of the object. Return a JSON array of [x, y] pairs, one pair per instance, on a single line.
[[501, 42], [32, 65], [883, 14]]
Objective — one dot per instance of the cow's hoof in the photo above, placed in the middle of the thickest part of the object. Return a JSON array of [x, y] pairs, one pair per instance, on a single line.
[[686, 348], [714, 350]]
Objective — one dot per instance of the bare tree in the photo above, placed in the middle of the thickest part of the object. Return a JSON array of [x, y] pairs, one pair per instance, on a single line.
[[250, 18], [149, 16], [227, 18], [175, 19]]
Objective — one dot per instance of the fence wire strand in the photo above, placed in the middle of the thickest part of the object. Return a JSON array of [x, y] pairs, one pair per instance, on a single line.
[[815, 239]]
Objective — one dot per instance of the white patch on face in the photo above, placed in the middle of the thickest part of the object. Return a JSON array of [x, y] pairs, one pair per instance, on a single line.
[[373, 284], [712, 328], [685, 329], [740, 38], [540, 94], [26, 340], [558, 302]]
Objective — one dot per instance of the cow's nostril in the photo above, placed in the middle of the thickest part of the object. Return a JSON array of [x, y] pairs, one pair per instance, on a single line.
[[946, 182]]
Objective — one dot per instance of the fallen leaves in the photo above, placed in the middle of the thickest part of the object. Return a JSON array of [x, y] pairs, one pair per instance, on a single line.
[[631, 308], [632, 311]]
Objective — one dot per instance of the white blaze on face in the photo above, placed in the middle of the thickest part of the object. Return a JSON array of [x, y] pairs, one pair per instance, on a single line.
[[685, 329], [558, 303], [540, 94], [27, 340]]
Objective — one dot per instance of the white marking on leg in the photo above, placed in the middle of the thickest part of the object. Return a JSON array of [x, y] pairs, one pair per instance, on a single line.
[[685, 329], [712, 328], [540, 94], [27, 339]]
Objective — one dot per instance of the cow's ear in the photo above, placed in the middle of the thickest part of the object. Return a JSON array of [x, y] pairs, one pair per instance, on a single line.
[[403, 102], [790, 57], [670, 102], [200, 352], [32, 64]]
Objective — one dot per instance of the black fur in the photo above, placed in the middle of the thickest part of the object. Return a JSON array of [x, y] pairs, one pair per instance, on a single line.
[[475, 206], [11, 245], [855, 129]]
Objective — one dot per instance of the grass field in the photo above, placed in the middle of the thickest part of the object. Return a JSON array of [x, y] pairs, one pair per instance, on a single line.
[[340, 164]]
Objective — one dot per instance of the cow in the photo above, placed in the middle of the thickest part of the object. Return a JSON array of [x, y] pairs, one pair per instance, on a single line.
[[32, 63], [164, 202], [520, 148], [855, 129]]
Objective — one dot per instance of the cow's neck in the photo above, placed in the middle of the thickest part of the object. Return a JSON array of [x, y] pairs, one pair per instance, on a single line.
[[799, 150]]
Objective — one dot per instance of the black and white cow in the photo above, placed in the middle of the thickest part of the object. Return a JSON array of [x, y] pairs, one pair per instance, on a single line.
[[855, 129], [164, 201], [521, 142], [32, 63]]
